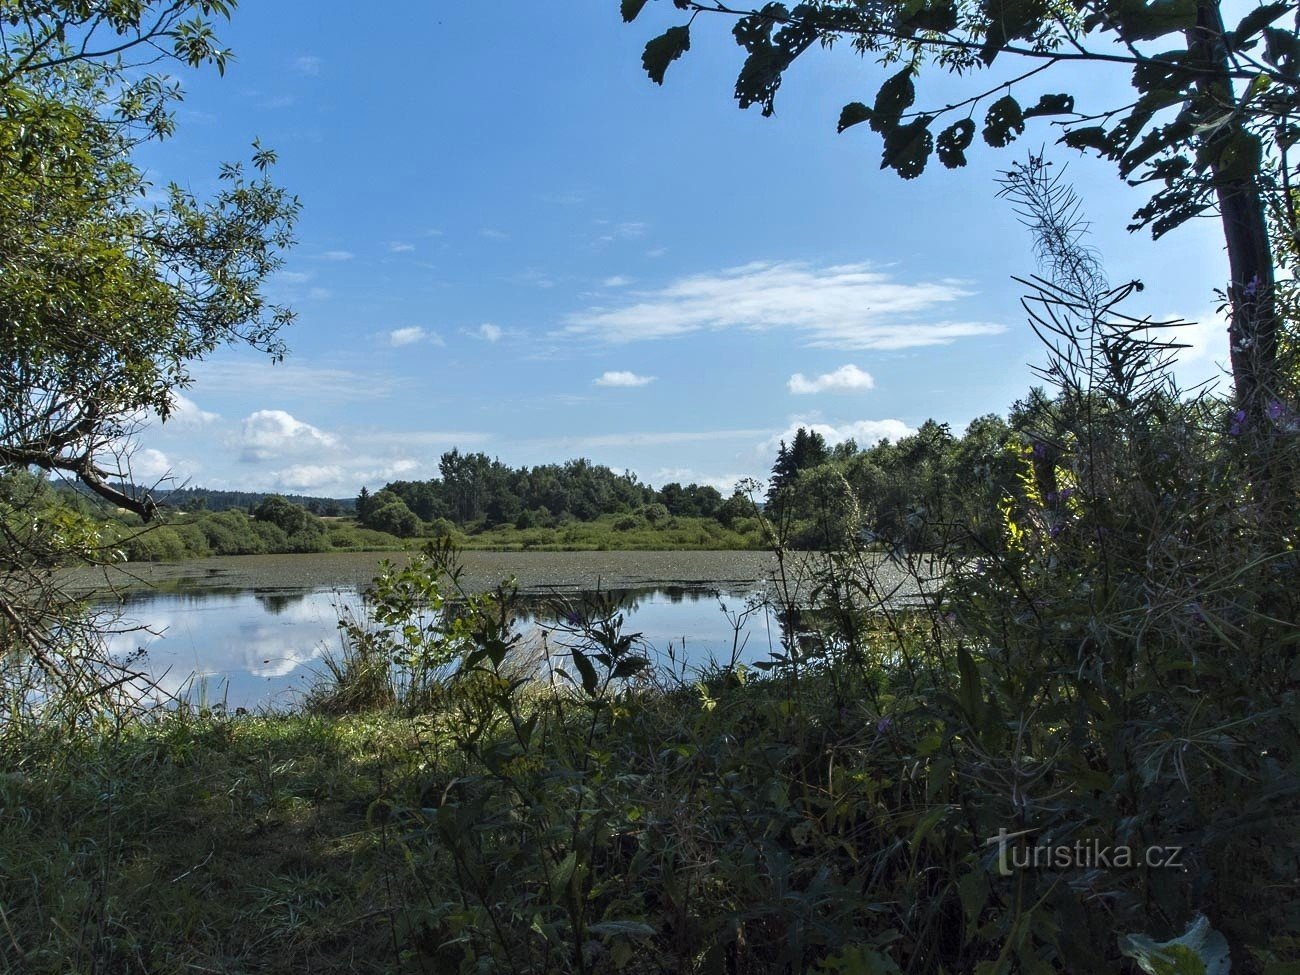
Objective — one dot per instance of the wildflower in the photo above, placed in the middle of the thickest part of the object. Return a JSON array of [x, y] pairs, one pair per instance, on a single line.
[[1252, 288], [883, 725], [1237, 426]]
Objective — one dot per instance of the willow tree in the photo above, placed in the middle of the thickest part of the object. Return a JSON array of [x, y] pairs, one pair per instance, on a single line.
[[1209, 122]]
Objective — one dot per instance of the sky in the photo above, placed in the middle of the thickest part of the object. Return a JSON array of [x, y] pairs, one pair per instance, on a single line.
[[511, 241]]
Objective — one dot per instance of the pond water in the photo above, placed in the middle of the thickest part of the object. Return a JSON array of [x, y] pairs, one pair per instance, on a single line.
[[252, 632]]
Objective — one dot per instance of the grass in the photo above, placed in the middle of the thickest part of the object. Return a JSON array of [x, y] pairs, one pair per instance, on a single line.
[[202, 843]]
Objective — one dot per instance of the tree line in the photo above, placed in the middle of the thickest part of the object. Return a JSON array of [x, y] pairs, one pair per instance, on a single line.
[[476, 491]]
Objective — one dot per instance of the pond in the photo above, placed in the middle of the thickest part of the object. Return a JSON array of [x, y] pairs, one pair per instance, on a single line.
[[251, 631]]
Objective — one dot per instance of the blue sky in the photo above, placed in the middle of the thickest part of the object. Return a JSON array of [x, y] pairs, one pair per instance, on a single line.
[[512, 241]]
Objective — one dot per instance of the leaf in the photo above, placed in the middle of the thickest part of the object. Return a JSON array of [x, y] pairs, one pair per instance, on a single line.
[[664, 50], [1051, 105], [1003, 122], [969, 696], [1166, 70], [587, 671], [940, 15], [630, 666], [1282, 49], [1140, 20], [1009, 20], [630, 9], [851, 114], [954, 141], [628, 929], [1087, 137], [1255, 21], [1200, 951], [1239, 157], [895, 97], [907, 148]]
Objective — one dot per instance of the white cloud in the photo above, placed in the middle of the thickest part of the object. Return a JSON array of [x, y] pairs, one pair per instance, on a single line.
[[409, 336], [147, 466], [339, 255], [863, 432], [725, 485], [187, 413], [626, 230], [616, 281], [852, 306], [268, 434], [252, 375], [400, 247], [622, 378], [488, 332], [308, 65], [848, 377], [491, 233], [293, 277]]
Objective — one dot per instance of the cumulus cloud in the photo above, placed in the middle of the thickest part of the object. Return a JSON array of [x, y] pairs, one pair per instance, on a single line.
[[488, 332], [187, 413], [307, 64], [616, 281], [147, 466], [848, 377], [863, 432], [409, 336], [622, 378], [849, 306], [269, 434]]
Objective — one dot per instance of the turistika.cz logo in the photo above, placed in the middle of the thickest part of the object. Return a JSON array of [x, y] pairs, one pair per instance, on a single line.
[[1079, 855]]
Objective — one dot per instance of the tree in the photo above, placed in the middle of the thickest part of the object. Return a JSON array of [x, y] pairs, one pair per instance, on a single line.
[[1211, 126], [107, 300]]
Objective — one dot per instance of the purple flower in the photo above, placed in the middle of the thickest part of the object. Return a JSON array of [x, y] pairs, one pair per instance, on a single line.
[[883, 725], [1276, 411], [1237, 426], [1040, 451], [1251, 289], [1067, 494]]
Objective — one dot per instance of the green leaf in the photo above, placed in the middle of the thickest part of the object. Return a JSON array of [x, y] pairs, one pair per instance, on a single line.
[[630, 666], [907, 148], [630, 9], [1256, 21], [970, 695], [954, 141], [1239, 157], [1200, 951], [627, 929], [1139, 20], [1003, 122], [587, 671], [851, 114], [1163, 71], [895, 97], [664, 50], [1282, 49], [939, 15], [1051, 105]]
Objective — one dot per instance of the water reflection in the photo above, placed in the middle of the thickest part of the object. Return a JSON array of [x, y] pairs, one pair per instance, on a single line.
[[263, 648]]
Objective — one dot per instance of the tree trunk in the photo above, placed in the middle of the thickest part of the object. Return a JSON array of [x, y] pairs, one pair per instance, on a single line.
[[1253, 332]]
